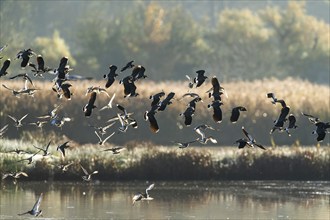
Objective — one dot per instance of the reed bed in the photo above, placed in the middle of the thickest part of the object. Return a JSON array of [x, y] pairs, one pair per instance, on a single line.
[[143, 161], [300, 95]]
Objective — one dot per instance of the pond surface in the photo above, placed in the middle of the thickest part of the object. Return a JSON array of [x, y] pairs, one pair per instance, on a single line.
[[172, 200]]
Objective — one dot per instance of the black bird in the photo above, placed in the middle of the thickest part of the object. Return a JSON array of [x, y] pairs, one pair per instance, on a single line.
[[272, 96], [250, 141], [45, 151], [235, 113], [129, 65], [129, 87], [40, 68], [66, 91], [88, 108], [321, 127], [5, 65], [190, 111], [216, 91], [115, 150], [279, 123], [138, 72], [143, 196], [167, 101], [35, 210], [62, 148], [156, 98], [62, 69], [200, 78], [110, 76], [25, 56], [292, 124], [185, 144], [150, 115], [217, 112], [188, 114]]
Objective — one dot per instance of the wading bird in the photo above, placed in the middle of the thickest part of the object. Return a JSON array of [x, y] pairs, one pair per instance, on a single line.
[[35, 210], [115, 150], [45, 151], [101, 142], [250, 141], [18, 122], [88, 176], [109, 105], [29, 159], [15, 175], [321, 127], [65, 167], [143, 196], [200, 130], [62, 148]]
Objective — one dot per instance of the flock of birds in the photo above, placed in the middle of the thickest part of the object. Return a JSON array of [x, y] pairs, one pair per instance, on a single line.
[[159, 102]]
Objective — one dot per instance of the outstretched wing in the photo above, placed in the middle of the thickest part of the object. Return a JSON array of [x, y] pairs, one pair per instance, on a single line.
[[37, 204]]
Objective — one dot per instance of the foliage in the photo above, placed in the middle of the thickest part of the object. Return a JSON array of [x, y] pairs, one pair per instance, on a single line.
[[171, 39], [53, 48], [170, 163]]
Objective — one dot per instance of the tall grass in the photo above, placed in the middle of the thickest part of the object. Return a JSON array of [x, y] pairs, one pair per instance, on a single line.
[[145, 161], [300, 95]]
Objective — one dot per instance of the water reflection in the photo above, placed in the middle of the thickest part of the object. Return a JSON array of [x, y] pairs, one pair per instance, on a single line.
[[173, 200]]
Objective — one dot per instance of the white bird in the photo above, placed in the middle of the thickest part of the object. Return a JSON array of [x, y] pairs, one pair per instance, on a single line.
[[143, 196], [18, 122], [101, 142]]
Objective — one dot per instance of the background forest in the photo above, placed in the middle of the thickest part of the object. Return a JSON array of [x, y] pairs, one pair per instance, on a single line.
[[233, 39]]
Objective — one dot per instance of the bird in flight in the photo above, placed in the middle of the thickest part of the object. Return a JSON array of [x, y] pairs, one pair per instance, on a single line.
[[35, 209]]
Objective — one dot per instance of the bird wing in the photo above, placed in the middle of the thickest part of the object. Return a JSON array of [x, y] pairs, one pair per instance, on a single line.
[[149, 188], [84, 170], [23, 117], [22, 173], [37, 204], [247, 134], [98, 136], [12, 117], [108, 137]]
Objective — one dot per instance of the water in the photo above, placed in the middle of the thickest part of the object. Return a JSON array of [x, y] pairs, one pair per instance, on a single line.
[[172, 200]]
